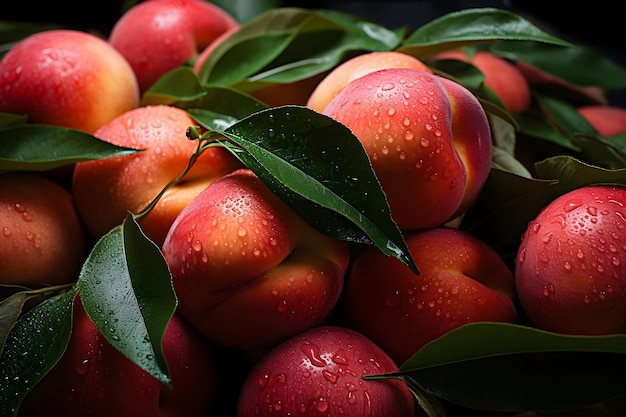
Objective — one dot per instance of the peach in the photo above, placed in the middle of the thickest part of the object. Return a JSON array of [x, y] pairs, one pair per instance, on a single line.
[[608, 120], [105, 190], [356, 67], [501, 76], [462, 280], [93, 378], [428, 139], [42, 239], [247, 270], [569, 269], [67, 78], [158, 36], [319, 372]]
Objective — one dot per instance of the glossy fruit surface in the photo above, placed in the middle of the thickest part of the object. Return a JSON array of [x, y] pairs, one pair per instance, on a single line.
[[570, 272], [319, 372], [67, 78]]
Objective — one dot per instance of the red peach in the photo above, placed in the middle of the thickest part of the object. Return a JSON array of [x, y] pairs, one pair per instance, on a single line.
[[462, 280], [67, 78], [428, 139], [356, 67], [42, 239], [320, 372], [569, 269], [105, 190], [158, 36], [249, 272], [93, 378], [608, 120], [501, 76]]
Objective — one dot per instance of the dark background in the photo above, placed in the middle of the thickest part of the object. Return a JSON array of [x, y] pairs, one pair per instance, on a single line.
[[597, 25]]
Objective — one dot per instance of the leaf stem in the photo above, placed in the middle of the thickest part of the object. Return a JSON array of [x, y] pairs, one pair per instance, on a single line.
[[205, 140]]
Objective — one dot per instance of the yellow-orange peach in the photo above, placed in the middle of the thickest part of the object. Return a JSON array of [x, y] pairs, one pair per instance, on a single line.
[[42, 239], [105, 190], [427, 137], [247, 270], [67, 78], [356, 67]]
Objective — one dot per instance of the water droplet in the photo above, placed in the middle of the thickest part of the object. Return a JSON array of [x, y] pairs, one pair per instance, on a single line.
[[263, 380], [388, 86], [521, 257], [321, 405], [313, 353], [393, 300], [281, 307], [331, 377], [83, 367], [571, 205], [339, 359]]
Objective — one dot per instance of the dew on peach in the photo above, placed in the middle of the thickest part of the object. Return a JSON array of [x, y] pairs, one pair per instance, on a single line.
[[569, 274]]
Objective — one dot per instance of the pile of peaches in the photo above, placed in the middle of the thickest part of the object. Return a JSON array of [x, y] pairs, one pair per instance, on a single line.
[[310, 214]]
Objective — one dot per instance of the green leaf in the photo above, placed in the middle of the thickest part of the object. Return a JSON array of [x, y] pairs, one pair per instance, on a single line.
[[521, 368], [471, 27], [505, 206], [222, 107], [34, 147], [244, 10], [10, 119], [15, 300], [35, 344], [322, 171], [180, 84], [539, 126], [576, 64], [215, 107], [125, 287], [593, 148], [289, 44], [10, 310], [572, 173]]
